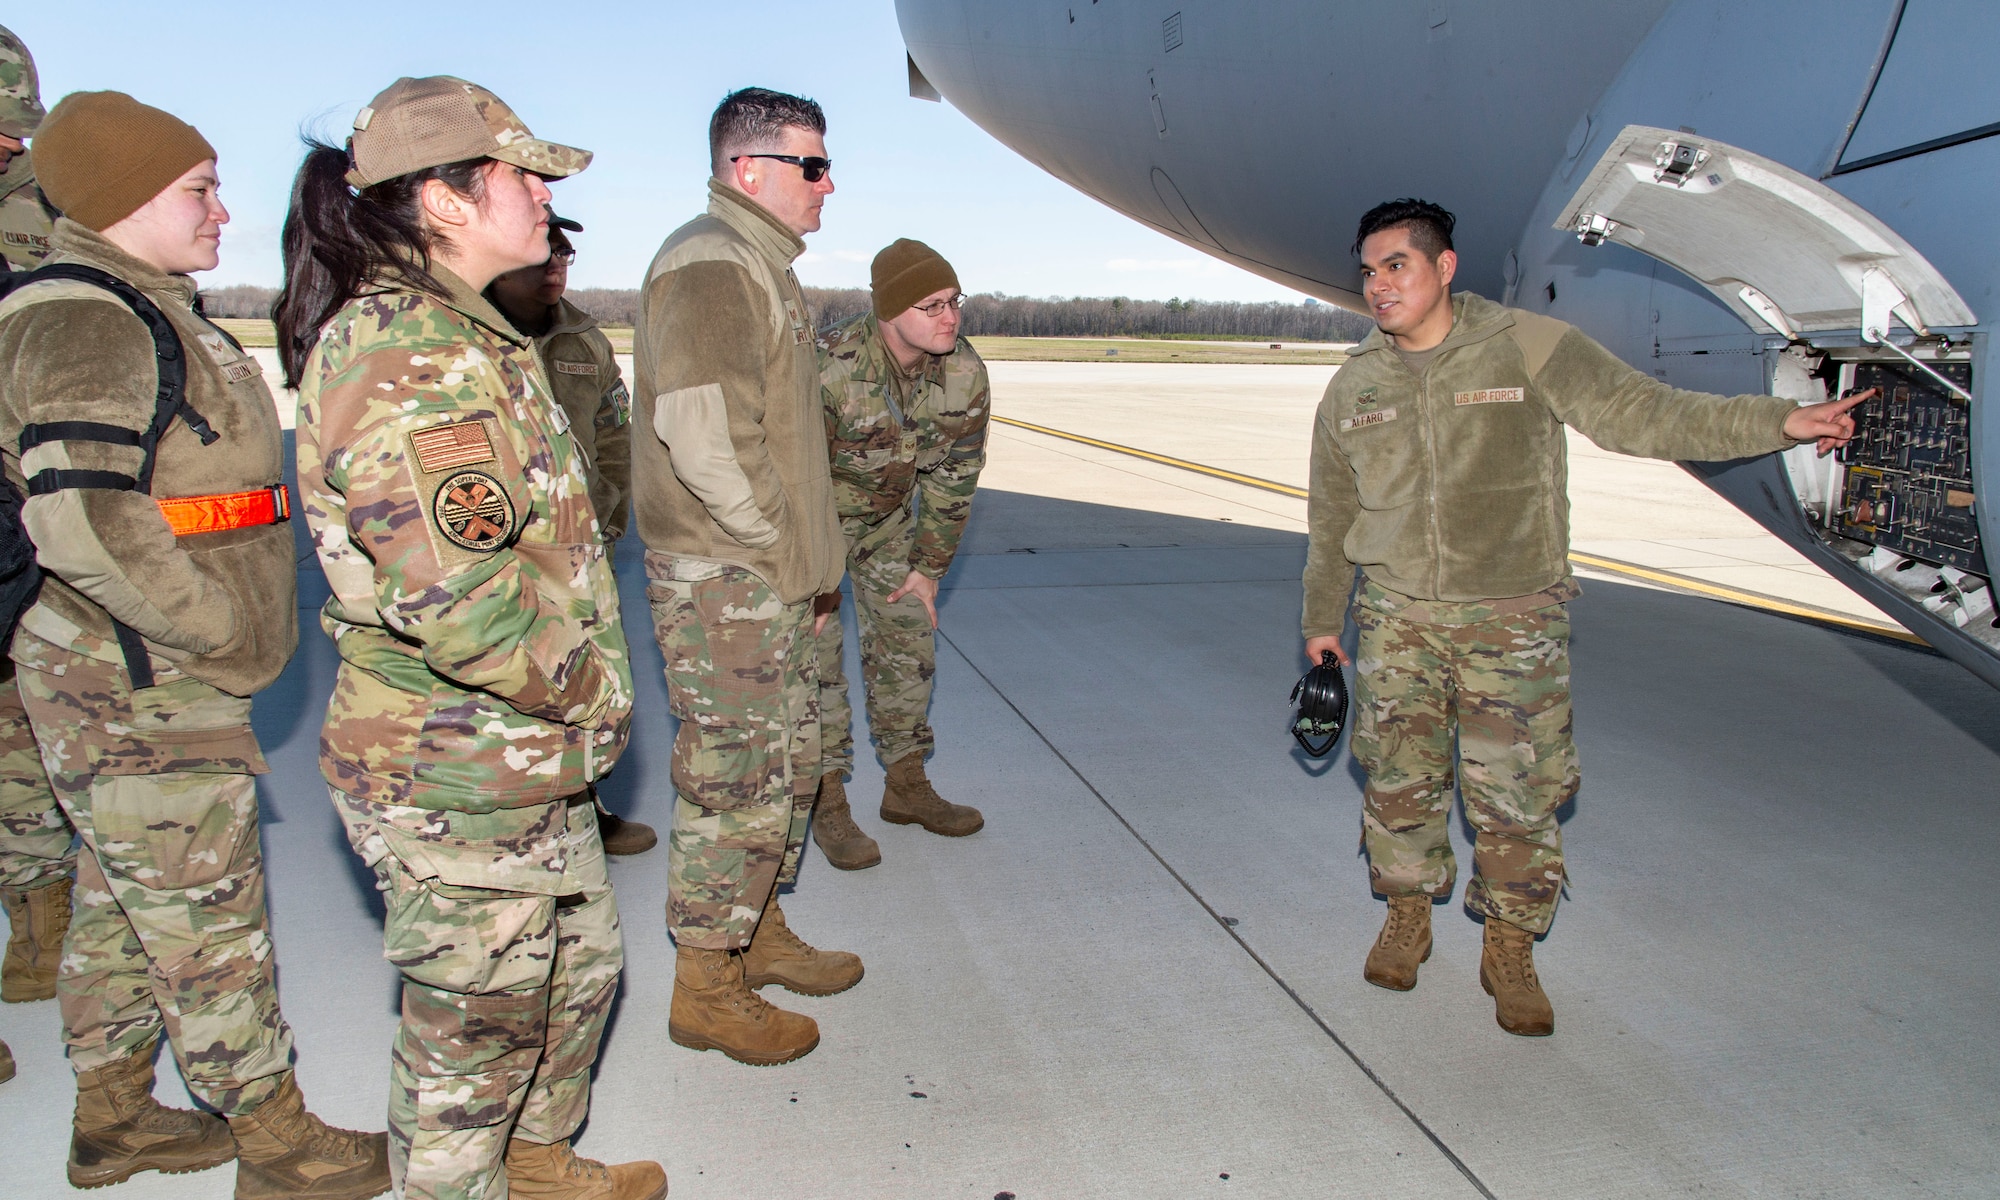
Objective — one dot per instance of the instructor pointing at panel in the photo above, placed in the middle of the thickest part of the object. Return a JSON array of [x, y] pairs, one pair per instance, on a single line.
[[1438, 469]]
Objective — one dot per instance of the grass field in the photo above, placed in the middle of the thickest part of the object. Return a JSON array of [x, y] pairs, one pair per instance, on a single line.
[[1010, 349], [1147, 350]]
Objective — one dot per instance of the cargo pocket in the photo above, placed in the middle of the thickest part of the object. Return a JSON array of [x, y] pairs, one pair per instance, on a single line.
[[469, 919], [481, 1057], [470, 1101], [182, 724], [184, 832]]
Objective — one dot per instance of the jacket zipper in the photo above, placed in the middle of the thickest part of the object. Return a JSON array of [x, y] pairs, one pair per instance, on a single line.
[[1430, 448]]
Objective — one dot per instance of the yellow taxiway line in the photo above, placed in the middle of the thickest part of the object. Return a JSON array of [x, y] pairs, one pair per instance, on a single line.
[[1595, 562]]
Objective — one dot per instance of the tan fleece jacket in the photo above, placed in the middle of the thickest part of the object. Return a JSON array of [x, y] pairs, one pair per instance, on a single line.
[[220, 606], [729, 457], [1454, 485]]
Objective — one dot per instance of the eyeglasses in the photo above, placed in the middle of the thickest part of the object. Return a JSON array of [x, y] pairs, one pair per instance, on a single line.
[[564, 257], [813, 167], [936, 307]]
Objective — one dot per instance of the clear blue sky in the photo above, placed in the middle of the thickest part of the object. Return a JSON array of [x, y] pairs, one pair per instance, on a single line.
[[635, 83]]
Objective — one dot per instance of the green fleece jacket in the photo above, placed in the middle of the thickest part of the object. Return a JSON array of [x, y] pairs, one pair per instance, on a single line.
[[729, 458], [1453, 485], [583, 370], [220, 606]]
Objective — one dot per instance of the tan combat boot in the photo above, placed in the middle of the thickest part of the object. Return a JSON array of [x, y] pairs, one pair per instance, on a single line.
[[285, 1151], [1507, 972], [38, 919], [909, 799], [714, 1009], [1405, 942], [6, 1063], [538, 1172], [777, 955], [120, 1130], [835, 832]]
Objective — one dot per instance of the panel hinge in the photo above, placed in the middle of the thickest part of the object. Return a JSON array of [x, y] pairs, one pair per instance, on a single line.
[[1592, 228], [1675, 161]]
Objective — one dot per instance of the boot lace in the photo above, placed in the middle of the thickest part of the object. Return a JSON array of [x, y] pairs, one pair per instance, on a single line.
[[789, 944], [1513, 961], [571, 1168], [737, 994], [1405, 925], [327, 1143], [52, 936], [837, 822]]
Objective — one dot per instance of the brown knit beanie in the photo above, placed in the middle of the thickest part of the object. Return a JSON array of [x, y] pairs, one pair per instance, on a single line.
[[903, 274], [99, 156]]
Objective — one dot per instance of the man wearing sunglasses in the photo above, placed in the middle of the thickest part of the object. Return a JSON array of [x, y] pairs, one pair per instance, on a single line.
[[596, 408], [906, 411], [732, 497]]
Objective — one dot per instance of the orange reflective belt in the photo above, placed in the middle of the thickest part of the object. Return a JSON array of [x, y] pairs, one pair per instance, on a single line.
[[237, 510]]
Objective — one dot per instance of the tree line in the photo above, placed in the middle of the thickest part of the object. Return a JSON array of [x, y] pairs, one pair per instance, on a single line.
[[989, 314]]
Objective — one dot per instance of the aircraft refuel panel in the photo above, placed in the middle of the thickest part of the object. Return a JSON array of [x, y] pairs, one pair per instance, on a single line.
[[1908, 478]]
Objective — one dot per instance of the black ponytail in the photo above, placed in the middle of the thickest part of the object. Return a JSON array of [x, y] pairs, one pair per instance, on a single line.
[[338, 240]]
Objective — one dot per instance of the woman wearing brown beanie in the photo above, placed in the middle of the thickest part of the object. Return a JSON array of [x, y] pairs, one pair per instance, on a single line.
[[168, 602], [484, 681]]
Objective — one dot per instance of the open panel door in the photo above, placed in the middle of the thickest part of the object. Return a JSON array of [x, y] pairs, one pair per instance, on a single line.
[[1787, 253], [1795, 258]]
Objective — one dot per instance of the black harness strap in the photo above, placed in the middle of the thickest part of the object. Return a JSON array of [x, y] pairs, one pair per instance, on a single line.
[[169, 402], [78, 431], [47, 482]]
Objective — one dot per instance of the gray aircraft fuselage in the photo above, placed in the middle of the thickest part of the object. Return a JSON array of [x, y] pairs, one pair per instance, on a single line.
[[1833, 202]]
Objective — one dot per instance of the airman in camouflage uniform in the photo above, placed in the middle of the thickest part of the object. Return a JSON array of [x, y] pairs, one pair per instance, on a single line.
[[159, 616], [583, 369], [1437, 470], [484, 679], [37, 845], [732, 499], [906, 404], [27, 219]]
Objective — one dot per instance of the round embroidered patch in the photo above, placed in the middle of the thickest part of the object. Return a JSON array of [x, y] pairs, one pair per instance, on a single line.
[[474, 511]]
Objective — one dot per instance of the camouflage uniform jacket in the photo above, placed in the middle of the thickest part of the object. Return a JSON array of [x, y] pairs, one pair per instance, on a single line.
[[735, 468], [892, 439], [27, 220], [483, 666], [584, 372], [1453, 486], [220, 606]]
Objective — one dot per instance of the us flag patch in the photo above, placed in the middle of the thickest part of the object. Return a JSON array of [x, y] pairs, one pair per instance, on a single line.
[[443, 447]]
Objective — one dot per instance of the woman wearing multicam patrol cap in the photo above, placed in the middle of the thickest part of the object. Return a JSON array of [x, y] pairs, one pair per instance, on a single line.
[[484, 681]]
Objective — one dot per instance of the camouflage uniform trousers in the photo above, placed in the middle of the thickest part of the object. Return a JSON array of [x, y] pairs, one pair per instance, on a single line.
[[1499, 689], [898, 651], [505, 931], [742, 682], [169, 931], [37, 846]]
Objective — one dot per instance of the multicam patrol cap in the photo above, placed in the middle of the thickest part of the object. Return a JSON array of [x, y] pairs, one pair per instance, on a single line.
[[418, 123], [20, 89]]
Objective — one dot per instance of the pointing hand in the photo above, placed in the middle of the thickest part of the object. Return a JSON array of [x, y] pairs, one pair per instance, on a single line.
[[1829, 424]]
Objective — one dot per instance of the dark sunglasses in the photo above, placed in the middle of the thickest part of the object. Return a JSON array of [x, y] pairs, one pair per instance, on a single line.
[[813, 168]]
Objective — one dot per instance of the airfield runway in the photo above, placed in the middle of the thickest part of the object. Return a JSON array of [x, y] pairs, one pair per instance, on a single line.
[[1774, 975]]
